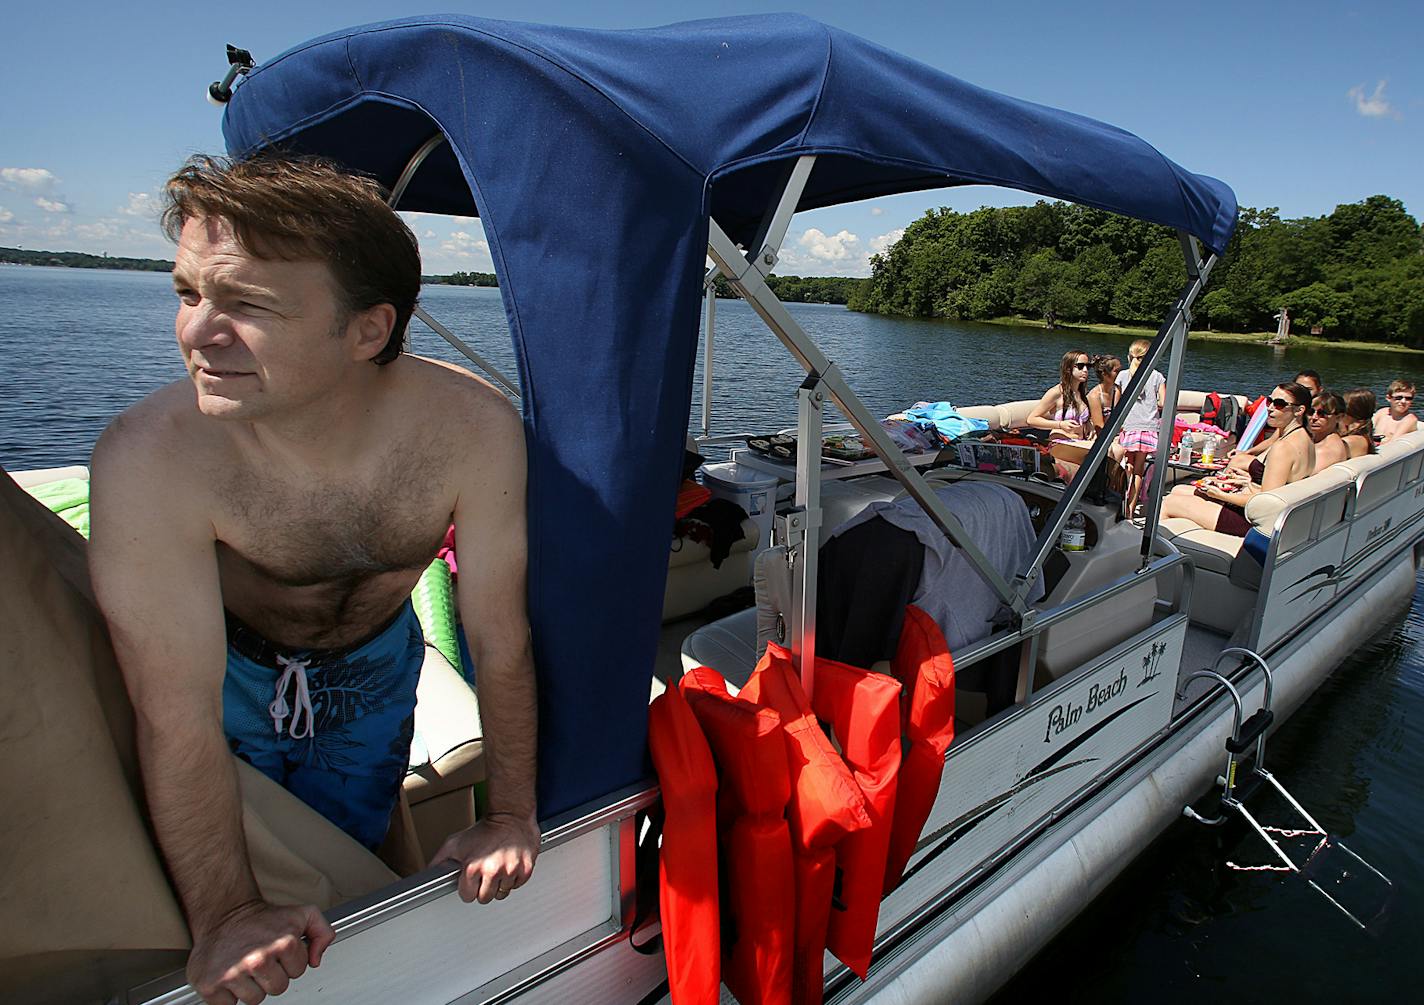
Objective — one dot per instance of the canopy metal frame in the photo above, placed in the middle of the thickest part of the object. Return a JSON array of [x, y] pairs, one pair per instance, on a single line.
[[747, 272]]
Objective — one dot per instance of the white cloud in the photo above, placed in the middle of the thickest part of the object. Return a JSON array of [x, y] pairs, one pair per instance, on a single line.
[[464, 245], [876, 211], [31, 178], [5, 215], [142, 204], [882, 243], [51, 205], [1375, 105], [837, 247]]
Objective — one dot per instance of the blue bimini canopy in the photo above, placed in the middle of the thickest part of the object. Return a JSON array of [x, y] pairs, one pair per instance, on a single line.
[[595, 159]]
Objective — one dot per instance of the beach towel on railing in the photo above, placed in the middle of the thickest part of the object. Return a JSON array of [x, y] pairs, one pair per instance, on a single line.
[[948, 421], [67, 498]]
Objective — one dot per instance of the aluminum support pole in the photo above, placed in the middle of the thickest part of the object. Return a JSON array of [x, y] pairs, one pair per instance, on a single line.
[[807, 520], [750, 284], [1098, 453], [710, 282], [773, 229], [458, 344]]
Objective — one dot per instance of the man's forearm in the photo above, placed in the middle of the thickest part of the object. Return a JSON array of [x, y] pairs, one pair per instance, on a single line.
[[509, 708], [197, 813]]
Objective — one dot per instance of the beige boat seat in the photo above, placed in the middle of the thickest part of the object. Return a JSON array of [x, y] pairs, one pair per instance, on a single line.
[[692, 582], [446, 754]]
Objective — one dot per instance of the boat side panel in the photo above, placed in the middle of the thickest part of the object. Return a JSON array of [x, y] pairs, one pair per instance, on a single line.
[[1067, 739], [444, 948]]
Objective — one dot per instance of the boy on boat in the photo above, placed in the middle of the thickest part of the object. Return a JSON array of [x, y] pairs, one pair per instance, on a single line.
[[258, 528], [1396, 419]]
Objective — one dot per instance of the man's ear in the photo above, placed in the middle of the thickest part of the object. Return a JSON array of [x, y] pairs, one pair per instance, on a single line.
[[373, 330]]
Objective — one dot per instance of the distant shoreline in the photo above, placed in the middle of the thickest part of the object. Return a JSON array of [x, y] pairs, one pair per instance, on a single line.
[[1239, 338]]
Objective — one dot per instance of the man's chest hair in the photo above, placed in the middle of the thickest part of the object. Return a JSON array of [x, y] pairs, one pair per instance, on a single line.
[[305, 532]]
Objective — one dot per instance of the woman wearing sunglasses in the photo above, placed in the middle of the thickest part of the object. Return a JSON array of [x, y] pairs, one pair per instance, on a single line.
[[1323, 423], [1357, 424], [1219, 503], [1063, 409]]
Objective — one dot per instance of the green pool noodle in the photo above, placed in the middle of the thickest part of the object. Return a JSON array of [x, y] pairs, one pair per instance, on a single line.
[[68, 498], [434, 600]]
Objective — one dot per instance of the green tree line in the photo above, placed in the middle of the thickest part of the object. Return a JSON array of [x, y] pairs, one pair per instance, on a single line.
[[80, 260], [463, 279], [802, 289], [1357, 273]]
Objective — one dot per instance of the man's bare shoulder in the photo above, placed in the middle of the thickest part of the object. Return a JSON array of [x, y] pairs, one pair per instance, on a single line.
[[157, 437], [469, 404]]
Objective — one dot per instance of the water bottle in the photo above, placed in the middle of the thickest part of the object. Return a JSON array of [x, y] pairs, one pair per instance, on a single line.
[[1075, 534], [1209, 450], [1184, 448]]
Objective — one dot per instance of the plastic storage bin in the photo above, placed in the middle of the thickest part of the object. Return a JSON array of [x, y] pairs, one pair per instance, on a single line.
[[752, 490]]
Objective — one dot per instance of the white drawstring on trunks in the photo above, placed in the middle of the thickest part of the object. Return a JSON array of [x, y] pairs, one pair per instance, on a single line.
[[292, 669]]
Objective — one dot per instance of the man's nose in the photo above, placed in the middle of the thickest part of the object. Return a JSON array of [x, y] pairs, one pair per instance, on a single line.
[[201, 325]]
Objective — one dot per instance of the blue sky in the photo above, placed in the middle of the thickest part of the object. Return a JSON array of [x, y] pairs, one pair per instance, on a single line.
[[1300, 105]]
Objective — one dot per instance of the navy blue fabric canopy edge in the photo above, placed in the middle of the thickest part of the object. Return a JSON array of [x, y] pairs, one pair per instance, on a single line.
[[594, 159]]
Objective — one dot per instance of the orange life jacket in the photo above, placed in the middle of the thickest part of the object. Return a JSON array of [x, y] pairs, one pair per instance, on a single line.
[[687, 859], [755, 864], [826, 805], [923, 664], [863, 710]]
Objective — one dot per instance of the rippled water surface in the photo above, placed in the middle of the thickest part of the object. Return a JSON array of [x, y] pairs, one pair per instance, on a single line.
[[78, 346]]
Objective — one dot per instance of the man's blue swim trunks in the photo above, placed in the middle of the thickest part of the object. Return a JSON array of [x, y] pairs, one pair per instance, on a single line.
[[333, 726]]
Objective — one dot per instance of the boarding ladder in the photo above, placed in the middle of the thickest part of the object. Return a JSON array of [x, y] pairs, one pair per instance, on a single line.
[[1322, 864]]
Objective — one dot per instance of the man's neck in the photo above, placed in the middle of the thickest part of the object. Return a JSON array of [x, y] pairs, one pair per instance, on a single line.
[[328, 432]]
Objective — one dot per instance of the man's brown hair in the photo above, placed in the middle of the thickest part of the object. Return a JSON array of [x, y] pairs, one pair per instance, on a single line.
[[1400, 384], [305, 209]]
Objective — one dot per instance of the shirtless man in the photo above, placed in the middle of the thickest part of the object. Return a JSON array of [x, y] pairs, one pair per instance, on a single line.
[[257, 531], [1397, 418]]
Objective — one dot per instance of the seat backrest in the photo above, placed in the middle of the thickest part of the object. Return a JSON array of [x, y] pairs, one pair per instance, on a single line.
[[1015, 413], [1265, 507], [989, 413]]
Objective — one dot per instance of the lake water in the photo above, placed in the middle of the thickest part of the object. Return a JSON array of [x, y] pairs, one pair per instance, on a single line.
[[78, 346]]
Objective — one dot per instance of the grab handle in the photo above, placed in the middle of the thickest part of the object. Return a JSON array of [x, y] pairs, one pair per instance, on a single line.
[[1251, 729]]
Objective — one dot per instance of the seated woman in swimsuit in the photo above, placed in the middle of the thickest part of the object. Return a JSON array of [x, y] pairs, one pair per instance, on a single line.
[[1219, 503], [1357, 424], [1063, 409], [1324, 418], [1105, 395]]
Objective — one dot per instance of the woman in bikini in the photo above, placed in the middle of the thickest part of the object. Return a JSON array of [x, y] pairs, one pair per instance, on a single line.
[[1063, 409], [1324, 419], [1104, 397], [1357, 425], [1219, 503]]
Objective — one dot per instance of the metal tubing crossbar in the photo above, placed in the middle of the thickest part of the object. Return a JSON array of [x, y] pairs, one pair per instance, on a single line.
[[748, 282], [1172, 335], [457, 343]]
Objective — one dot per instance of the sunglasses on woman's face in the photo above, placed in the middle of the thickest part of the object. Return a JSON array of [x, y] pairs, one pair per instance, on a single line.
[[1321, 413], [1080, 366], [1279, 403]]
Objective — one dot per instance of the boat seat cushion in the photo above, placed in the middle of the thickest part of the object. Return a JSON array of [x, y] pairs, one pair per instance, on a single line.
[[728, 646], [692, 582], [1208, 549]]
